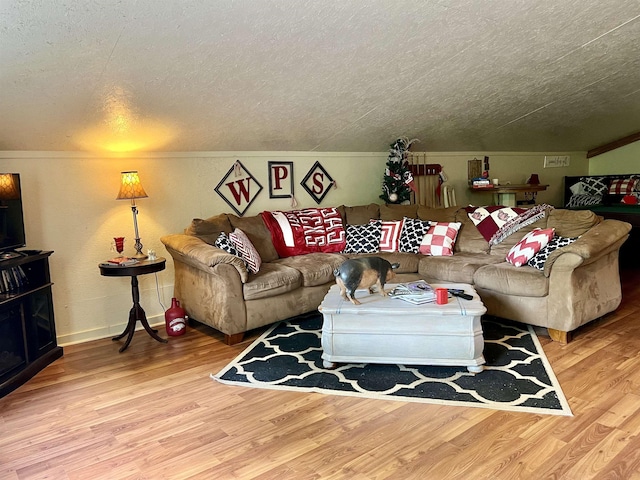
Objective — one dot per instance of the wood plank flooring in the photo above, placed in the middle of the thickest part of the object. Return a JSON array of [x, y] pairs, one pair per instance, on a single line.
[[153, 413]]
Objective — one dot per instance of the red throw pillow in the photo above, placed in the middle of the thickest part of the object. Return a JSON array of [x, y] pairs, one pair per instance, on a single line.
[[525, 249]]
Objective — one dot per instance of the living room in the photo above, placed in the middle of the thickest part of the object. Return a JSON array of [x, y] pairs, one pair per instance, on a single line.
[[71, 121]]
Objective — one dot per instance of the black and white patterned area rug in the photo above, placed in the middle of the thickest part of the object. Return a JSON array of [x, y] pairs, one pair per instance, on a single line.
[[516, 377]]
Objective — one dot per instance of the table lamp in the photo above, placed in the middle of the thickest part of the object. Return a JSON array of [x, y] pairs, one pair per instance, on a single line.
[[130, 189]]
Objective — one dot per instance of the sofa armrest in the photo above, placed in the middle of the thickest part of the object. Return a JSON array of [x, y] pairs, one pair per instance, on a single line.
[[199, 254], [596, 242]]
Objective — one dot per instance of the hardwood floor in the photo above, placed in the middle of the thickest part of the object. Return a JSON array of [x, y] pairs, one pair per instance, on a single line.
[[152, 412]]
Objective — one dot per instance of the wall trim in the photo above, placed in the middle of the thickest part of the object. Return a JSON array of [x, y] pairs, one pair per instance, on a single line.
[[156, 321]]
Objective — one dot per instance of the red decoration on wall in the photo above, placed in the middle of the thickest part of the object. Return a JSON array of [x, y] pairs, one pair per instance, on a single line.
[[238, 188], [317, 182]]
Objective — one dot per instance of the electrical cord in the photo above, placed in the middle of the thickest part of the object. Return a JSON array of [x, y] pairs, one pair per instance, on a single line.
[[164, 309]]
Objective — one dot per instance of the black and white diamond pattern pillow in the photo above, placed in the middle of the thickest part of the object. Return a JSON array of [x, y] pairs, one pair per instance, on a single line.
[[413, 231], [363, 238], [540, 258], [594, 185], [225, 244]]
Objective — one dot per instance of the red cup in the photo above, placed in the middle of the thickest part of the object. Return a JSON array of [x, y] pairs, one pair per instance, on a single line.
[[442, 296]]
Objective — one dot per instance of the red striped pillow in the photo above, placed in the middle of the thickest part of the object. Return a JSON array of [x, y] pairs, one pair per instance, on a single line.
[[390, 235]]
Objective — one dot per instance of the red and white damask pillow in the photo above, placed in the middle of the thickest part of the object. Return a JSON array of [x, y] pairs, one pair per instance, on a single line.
[[440, 239], [530, 244]]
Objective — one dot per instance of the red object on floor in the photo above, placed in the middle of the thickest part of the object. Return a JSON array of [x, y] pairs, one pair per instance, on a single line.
[[176, 319]]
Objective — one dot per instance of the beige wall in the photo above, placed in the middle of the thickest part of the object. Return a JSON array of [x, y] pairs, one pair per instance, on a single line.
[[70, 207], [621, 160]]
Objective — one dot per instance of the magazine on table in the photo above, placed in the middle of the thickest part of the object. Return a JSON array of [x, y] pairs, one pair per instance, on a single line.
[[417, 292]]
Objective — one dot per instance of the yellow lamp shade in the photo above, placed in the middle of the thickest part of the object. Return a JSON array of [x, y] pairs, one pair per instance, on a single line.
[[130, 187]]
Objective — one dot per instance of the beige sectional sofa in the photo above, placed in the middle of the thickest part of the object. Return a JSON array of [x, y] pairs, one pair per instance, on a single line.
[[579, 283]]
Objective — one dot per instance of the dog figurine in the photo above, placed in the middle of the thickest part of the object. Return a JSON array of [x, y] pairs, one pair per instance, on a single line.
[[363, 273]]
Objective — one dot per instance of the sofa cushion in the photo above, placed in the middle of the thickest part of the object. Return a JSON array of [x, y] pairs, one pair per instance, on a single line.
[[359, 215], [398, 212], [209, 229], [571, 223], [437, 214], [363, 238], [258, 233], [272, 279], [408, 261], [509, 280], [459, 268], [469, 240], [315, 268]]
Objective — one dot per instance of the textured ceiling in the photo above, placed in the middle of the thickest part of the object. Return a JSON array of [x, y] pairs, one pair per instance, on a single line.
[[318, 75]]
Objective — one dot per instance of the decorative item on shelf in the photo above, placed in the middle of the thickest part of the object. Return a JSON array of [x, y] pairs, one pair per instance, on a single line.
[[474, 169], [530, 197], [398, 183], [118, 244], [533, 179], [151, 254], [130, 189]]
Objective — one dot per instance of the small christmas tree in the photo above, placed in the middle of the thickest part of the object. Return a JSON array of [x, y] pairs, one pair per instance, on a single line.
[[397, 183]]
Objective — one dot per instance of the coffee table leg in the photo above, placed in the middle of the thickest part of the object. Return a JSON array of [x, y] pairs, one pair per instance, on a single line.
[[329, 365]]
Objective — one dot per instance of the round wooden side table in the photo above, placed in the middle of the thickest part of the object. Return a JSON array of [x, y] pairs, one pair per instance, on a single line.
[[136, 313]]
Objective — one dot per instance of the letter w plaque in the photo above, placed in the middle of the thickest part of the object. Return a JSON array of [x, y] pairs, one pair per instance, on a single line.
[[238, 188]]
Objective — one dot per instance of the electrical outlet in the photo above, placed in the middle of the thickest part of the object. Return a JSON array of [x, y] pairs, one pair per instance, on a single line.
[[556, 161]]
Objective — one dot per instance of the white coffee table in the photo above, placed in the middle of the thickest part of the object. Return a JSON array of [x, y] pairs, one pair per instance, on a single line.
[[390, 330]]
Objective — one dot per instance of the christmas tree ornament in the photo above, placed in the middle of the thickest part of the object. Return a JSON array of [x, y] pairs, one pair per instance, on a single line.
[[393, 197]]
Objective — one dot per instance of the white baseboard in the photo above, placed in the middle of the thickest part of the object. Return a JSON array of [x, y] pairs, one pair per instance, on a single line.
[[155, 321]]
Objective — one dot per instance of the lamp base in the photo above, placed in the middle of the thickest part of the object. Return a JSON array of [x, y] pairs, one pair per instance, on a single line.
[[139, 256]]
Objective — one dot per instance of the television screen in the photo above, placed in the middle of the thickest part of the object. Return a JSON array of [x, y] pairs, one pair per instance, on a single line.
[[11, 218]]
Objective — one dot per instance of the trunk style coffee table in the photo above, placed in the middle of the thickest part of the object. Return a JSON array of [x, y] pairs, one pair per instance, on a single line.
[[390, 330]]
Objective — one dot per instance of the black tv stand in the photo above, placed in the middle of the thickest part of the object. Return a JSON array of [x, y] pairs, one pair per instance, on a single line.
[[10, 255], [27, 329]]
